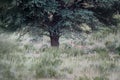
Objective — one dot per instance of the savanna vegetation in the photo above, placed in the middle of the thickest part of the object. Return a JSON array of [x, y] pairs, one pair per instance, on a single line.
[[59, 39]]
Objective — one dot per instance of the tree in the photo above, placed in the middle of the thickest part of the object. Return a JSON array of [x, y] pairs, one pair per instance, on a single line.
[[54, 15]]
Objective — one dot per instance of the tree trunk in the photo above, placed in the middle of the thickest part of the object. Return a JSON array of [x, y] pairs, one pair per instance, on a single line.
[[54, 41]]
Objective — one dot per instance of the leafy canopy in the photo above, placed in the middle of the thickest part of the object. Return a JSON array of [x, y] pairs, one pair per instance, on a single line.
[[54, 15]]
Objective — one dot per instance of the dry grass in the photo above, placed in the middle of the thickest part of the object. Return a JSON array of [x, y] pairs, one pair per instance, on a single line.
[[88, 57]]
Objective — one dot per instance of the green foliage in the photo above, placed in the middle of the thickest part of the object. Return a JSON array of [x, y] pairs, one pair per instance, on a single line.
[[108, 7], [70, 14]]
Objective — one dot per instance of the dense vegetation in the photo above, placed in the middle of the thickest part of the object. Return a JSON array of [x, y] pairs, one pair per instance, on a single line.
[[54, 15], [94, 56], [88, 50]]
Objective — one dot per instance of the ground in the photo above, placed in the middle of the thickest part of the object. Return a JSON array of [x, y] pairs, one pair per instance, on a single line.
[[93, 56]]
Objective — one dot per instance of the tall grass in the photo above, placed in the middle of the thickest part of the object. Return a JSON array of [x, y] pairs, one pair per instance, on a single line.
[[30, 62], [16, 64]]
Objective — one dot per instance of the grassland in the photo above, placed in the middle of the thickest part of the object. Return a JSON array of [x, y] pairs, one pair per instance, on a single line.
[[81, 56]]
